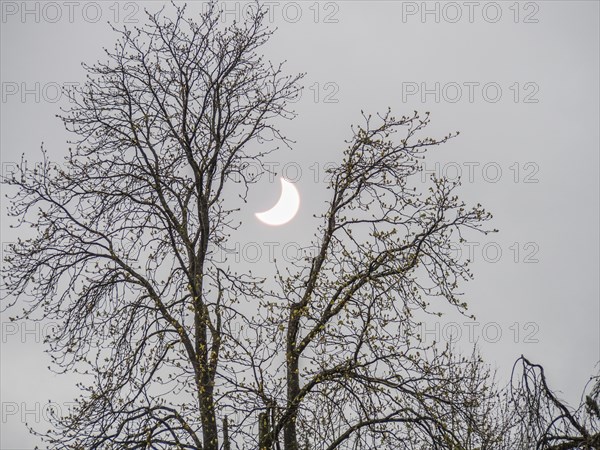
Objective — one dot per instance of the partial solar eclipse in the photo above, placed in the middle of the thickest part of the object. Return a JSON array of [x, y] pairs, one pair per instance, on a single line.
[[286, 207]]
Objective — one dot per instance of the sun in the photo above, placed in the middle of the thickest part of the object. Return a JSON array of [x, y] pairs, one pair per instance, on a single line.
[[286, 207]]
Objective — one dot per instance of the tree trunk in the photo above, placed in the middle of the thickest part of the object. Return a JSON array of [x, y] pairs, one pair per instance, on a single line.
[[209, 423], [226, 443], [206, 388], [263, 431], [290, 438]]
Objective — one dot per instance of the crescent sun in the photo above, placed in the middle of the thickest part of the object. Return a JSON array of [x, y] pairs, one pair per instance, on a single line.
[[286, 207]]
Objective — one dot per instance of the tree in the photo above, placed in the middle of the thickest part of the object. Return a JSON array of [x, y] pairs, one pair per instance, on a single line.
[[544, 421], [155, 324]]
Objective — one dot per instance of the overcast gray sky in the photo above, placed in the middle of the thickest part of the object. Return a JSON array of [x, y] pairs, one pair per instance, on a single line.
[[519, 80]]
